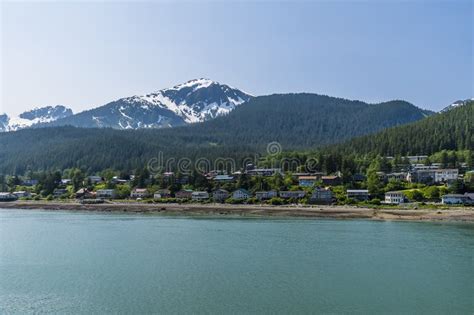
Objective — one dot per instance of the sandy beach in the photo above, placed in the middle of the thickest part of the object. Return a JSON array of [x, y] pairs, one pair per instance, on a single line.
[[340, 212]]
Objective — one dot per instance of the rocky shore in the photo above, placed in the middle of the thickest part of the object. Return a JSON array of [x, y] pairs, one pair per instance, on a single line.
[[340, 212]]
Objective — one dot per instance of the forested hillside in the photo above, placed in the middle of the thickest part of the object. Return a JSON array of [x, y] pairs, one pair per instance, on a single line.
[[296, 121]]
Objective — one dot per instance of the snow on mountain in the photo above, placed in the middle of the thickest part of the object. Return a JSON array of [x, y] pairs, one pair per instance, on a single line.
[[34, 117], [193, 101], [456, 104]]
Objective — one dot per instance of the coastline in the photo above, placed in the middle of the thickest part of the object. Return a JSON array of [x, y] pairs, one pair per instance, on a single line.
[[460, 214]]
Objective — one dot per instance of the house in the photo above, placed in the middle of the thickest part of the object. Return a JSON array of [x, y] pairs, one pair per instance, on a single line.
[[66, 181], [399, 176], [117, 180], [359, 177], [84, 193], [416, 158], [162, 193], [95, 179], [307, 180], [421, 176], [184, 194], [358, 194], [265, 195], [263, 171], [321, 196], [30, 182], [200, 195], [60, 192], [297, 194], [140, 193], [223, 178], [22, 194], [220, 195], [394, 197], [456, 199], [332, 180], [446, 175], [4, 196], [106, 193], [241, 194]]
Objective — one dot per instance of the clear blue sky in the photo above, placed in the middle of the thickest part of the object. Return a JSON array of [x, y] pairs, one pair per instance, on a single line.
[[86, 54]]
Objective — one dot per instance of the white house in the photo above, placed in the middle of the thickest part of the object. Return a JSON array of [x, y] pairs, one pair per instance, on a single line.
[[292, 194], [394, 197], [106, 193], [140, 193], [446, 175], [359, 194], [456, 199], [22, 194], [95, 179], [220, 194], [199, 195], [241, 194], [264, 195], [162, 193]]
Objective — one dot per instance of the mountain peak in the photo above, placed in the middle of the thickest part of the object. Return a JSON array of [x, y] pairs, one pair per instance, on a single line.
[[456, 104], [38, 115]]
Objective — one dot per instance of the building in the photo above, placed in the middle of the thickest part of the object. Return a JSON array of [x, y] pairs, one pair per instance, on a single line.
[[263, 171], [223, 178], [58, 192], [162, 193], [22, 194], [400, 176], [331, 180], [184, 194], [321, 196], [307, 180], [421, 176], [220, 195], [95, 179], [394, 197], [297, 194], [106, 193], [416, 158], [265, 195], [456, 199], [84, 193], [30, 182], [140, 193], [358, 194], [446, 175], [200, 195], [4, 196], [241, 194]]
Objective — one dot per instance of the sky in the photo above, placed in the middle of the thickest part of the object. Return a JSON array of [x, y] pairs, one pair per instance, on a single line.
[[86, 54]]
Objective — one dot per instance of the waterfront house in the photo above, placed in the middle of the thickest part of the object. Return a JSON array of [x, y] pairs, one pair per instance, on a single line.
[[358, 194], [220, 195], [456, 199], [59, 192], [162, 193], [22, 194], [200, 195], [394, 197], [307, 180], [321, 196], [5, 196], [265, 195], [184, 194], [140, 193], [106, 193], [84, 193], [297, 194], [241, 194], [332, 180]]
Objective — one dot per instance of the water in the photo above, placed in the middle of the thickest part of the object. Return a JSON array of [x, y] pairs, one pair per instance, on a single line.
[[63, 262]]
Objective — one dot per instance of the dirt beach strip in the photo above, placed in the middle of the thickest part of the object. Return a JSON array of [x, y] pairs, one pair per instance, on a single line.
[[341, 212]]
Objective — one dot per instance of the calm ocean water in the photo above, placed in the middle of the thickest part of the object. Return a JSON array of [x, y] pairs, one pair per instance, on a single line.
[[64, 262]]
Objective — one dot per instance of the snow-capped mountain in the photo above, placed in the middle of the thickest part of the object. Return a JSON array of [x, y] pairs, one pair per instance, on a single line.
[[193, 101], [34, 117], [456, 104]]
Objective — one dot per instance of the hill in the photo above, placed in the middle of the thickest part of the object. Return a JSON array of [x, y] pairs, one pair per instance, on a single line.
[[296, 121]]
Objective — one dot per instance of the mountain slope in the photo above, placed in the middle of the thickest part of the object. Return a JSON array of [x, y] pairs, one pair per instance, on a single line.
[[34, 117], [296, 121], [194, 101], [448, 130]]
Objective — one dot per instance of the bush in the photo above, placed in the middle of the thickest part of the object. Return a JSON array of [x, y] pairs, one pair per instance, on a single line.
[[375, 201], [275, 201], [49, 198]]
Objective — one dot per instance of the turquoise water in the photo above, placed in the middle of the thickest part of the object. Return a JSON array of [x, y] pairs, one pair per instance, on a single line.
[[64, 262]]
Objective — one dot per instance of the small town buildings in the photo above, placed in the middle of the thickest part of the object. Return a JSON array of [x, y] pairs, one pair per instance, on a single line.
[[162, 194], [106, 193], [265, 195], [446, 175], [321, 196], [200, 195], [5, 196], [297, 194], [241, 194], [84, 193], [140, 193], [456, 199], [59, 192], [220, 195], [307, 180], [22, 194], [331, 180], [184, 194], [394, 197], [358, 194]]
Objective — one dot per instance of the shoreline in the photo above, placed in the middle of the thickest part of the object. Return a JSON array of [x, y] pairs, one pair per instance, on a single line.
[[460, 214]]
